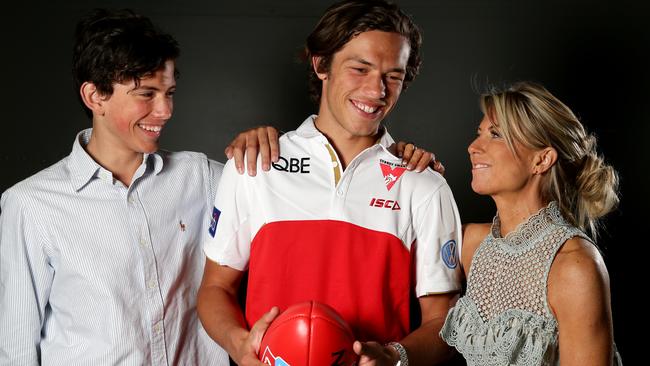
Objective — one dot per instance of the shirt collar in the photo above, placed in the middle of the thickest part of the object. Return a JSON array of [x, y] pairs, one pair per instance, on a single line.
[[83, 168], [308, 130]]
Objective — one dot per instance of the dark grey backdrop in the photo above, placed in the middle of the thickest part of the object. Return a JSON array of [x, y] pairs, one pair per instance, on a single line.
[[239, 69]]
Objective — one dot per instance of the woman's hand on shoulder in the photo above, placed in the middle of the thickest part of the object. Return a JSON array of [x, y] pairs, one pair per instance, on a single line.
[[473, 235], [578, 293]]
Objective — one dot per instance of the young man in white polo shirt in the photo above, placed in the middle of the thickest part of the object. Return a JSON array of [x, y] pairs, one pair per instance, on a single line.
[[339, 219]]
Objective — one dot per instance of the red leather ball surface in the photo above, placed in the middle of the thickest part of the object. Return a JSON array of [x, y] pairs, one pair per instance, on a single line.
[[308, 334]]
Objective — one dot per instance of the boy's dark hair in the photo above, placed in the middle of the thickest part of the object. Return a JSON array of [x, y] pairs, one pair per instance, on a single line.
[[114, 46], [347, 19]]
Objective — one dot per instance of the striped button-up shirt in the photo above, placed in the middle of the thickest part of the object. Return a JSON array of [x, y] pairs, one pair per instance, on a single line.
[[96, 273]]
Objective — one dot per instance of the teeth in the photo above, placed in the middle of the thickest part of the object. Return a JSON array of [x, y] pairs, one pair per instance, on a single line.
[[478, 166], [365, 108], [151, 128]]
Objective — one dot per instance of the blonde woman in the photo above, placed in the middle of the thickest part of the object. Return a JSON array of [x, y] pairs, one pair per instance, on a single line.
[[538, 290]]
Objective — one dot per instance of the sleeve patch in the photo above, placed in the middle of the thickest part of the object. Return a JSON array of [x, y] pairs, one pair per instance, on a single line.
[[449, 255], [215, 219]]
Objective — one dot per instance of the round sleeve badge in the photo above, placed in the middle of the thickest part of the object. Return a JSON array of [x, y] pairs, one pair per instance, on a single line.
[[448, 254]]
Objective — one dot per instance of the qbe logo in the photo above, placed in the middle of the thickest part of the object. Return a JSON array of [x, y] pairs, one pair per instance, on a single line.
[[292, 165]]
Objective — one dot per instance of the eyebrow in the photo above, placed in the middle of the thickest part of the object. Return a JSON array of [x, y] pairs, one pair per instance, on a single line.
[[150, 88], [490, 126], [368, 63]]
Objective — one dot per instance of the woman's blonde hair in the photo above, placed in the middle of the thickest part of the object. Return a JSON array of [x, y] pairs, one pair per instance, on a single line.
[[584, 187]]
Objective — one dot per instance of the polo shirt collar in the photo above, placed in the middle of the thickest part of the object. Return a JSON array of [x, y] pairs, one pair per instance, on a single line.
[[308, 130]]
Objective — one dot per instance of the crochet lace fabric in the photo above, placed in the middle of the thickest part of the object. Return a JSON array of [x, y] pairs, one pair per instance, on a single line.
[[511, 272], [504, 319]]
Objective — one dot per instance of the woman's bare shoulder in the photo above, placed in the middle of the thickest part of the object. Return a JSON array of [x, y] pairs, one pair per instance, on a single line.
[[473, 235], [578, 274]]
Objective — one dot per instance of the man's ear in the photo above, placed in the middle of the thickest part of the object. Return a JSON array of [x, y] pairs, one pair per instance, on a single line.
[[544, 160], [318, 69], [92, 98]]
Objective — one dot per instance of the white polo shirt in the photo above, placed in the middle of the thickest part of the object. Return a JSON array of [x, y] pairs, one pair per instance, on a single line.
[[362, 240]]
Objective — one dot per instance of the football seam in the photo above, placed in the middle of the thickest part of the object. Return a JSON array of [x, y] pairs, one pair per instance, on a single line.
[[337, 324], [311, 317]]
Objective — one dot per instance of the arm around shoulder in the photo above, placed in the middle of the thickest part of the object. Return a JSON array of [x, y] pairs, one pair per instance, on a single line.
[[578, 293]]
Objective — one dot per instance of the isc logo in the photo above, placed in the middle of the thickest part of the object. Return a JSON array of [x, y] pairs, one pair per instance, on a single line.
[[380, 202]]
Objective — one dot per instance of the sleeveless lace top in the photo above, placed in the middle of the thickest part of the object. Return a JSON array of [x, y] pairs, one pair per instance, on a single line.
[[504, 318]]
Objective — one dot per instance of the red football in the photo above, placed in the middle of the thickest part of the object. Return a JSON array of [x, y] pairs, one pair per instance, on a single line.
[[308, 334]]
